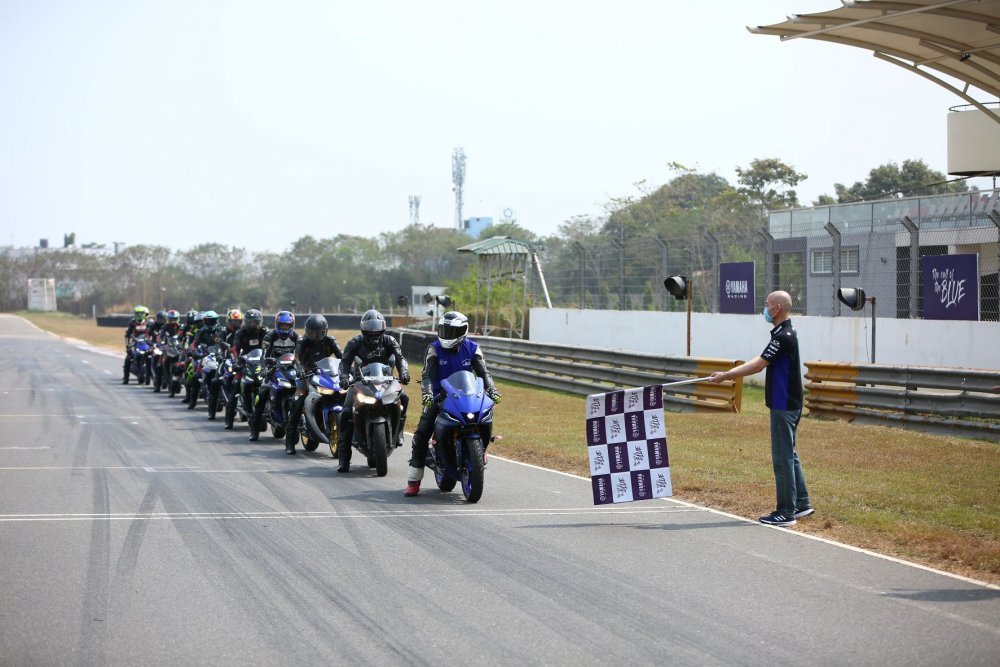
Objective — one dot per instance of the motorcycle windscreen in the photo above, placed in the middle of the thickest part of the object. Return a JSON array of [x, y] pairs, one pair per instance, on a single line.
[[464, 383], [379, 372], [329, 365]]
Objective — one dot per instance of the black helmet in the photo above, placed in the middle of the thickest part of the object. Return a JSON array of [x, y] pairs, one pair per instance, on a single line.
[[372, 325], [161, 317], [189, 318], [452, 329], [316, 327], [253, 319], [284, 322]]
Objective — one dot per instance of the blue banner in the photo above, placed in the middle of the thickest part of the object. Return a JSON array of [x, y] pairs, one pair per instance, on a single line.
[[736, 288], [951, 287]]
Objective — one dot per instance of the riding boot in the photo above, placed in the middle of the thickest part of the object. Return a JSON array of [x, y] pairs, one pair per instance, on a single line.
[[127, 368], [413, 478], [344, 448], [193, 399], [402, 425]]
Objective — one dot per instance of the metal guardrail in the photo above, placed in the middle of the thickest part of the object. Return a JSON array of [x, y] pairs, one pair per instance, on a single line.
[[586, 370], [952, 401]]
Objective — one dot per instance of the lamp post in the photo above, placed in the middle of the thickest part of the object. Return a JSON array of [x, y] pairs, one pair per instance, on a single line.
[[680, 288], [854, 298]]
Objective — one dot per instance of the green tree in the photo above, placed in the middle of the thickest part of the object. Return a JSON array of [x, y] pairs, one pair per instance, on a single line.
[[768, 185], [911, 179]]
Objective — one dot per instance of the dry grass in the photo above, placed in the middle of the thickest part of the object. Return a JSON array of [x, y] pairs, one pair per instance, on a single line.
[[925, 498]]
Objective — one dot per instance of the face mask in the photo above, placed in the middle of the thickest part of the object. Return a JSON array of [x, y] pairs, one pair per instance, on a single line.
[[767, 316]]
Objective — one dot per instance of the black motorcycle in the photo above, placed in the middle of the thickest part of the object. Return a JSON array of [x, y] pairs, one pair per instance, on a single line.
[[377, 415], [252, 366]]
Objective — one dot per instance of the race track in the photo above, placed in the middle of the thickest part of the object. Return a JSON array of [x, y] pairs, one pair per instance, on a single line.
[[134, 531]]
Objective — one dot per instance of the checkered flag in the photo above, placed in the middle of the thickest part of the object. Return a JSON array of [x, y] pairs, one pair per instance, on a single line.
[[627, 445]]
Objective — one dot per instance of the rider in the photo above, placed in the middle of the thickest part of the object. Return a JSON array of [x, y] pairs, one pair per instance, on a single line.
[[210, 333], [158, 323], [373, 345], [451, 352], [137, 326], [309, 349], [276, 343], [247, 337], [171, 327], [234, 318]]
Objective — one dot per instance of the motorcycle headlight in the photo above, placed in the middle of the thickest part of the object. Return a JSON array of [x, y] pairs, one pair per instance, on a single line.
[[325, 392], [365, 399], [451, 417], [487, 416], [285, 384], [157, 352]]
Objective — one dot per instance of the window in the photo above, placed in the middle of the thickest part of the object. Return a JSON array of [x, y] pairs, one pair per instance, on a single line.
[[822, 260]]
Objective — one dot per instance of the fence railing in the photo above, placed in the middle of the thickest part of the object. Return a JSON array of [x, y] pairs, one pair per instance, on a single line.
[[584, 370], [952, 401]]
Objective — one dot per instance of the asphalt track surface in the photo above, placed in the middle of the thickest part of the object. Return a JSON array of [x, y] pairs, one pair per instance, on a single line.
[[134, 531]]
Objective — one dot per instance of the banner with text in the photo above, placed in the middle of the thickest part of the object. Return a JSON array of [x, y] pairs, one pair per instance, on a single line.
[[627, 445], [736, 288], [951, 287]]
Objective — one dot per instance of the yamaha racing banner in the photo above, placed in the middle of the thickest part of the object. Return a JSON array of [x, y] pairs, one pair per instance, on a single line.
[[627, 445], [736, 288]]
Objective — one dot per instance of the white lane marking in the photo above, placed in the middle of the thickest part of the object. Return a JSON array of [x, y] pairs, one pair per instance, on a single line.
[[85, 361], [372, 514], [50, 416], [25, 448], [817, 538], [107, 372]]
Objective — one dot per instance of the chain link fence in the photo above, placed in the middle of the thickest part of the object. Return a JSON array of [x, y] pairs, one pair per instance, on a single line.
[[810, 253]]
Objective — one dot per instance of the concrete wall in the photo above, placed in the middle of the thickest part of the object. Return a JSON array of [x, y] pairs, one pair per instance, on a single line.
[[899, 342]]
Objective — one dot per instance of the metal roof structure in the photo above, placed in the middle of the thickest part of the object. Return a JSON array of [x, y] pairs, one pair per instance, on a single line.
[[956, 38], [503, 258]]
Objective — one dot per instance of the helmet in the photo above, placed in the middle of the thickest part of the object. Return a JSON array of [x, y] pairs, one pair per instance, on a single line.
[[316, 327], [210, 318], [140, 313], [284, 322], [452, 329], [253, 320], [198, 317], [372, 325], [233, 318], [189, 318], [161, 317], [173, 321]]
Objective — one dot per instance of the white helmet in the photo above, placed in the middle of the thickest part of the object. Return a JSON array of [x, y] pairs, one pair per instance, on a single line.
[[452, 329]]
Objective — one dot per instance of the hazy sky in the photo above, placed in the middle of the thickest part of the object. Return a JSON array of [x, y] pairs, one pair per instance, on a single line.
[[179, 122]]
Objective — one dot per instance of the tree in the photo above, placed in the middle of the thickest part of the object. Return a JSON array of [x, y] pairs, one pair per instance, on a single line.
[[768, 185], [911, 179]]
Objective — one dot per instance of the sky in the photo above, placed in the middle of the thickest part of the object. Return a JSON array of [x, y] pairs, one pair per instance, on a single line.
[[180, 122]]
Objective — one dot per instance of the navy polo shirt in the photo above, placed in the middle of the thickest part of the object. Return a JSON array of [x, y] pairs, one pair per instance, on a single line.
[[783, 379]]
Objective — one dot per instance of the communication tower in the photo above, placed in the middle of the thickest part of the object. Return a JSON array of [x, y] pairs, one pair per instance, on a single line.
[[414, 209], [458, 179]]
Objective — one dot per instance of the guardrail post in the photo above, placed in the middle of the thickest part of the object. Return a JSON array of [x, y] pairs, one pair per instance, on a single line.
[[621, 272]]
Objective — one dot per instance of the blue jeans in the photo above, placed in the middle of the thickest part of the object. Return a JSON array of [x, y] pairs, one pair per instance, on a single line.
[[790, 484]]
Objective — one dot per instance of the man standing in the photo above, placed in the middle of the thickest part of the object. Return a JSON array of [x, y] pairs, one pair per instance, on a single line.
[[783, 395]]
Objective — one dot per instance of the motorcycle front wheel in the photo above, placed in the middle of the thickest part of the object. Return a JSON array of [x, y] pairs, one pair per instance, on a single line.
[[334, 435], [473, 469], [378, 445]]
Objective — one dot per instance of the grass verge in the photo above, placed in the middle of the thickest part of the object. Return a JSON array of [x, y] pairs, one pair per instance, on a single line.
[[924, 498]]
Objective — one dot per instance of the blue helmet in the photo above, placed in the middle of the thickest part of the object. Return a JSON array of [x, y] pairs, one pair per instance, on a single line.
[[284, 322]]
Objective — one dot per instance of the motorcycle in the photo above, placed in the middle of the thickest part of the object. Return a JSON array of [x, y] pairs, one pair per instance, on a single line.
[[156, 366], [462, 431], [377, 415], [140, 359], [220, 385], [173, 364], [253, 378], [281, 379], [320, 421], [205, 373]]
